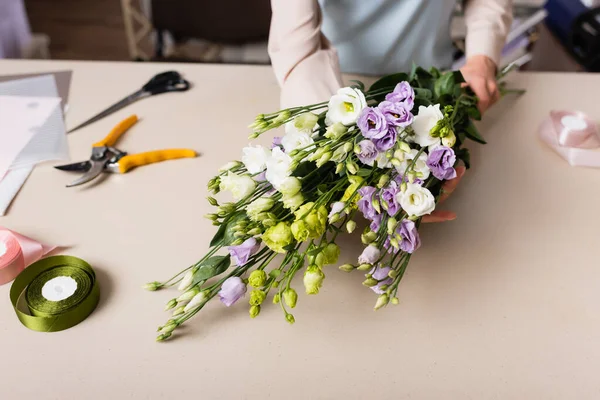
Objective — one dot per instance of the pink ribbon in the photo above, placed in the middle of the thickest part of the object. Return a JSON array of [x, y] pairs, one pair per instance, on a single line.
[[17, 252], [574, 136]]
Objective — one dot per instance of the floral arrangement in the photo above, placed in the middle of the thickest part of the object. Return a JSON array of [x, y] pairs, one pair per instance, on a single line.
[[382, 153]]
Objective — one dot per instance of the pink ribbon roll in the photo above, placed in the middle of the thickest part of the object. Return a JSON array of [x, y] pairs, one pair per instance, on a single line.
[[17, 252], [574, 136]]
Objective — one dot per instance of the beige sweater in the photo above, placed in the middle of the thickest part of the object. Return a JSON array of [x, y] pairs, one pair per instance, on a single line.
[[307, 66]]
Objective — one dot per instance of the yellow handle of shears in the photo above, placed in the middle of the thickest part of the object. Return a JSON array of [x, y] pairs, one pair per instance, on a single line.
[[137, 160], [117, 132]]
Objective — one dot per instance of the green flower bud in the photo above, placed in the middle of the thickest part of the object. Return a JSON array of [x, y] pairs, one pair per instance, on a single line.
[[267, 223], [346, 267], [257, 297], [382, 301], [370, 282], [324, 158], [163, 337], [395, 300], [335, 218], [384, 287], [376, 205], [290, 318], [178, 311], [393, 273], [319, 260], [449, 140], [394, 243], [335, 131], [339, 168], [275, 284], [239, 234], [368, 238], [405, 147], [413, 218], [276, 298], [188, 295], [364, 267], [290, 186], [237, 242], [444, 131], [274, 273], [383, 180], [350, 226], [257, 278], [152, 286], [396, 162], [352, 167], [330, 253], [306, 121], [212, 201], [254, 311], [391, 225], [254, 232], [169, 327], [290, 297], [171, 304], [389, 154], [348, 147], [313, 279], [227, 167], [212, 217], [357, 149], [403, 187]]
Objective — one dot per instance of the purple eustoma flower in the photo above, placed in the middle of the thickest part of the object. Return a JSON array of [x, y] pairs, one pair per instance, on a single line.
[[396, 114], [240, 254], [381, 274], [368, 152], [372, 123], [369, 255], [365, 204], [403, 92], [388, 195], [387, 141], [441, 162], [410, 236], [232, 290]]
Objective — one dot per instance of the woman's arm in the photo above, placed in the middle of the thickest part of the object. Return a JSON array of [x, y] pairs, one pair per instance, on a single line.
[[304, 62]]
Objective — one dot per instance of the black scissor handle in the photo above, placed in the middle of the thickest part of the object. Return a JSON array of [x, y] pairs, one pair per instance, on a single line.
[[170, 81]]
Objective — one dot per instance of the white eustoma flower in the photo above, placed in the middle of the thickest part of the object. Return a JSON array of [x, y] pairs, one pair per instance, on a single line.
[[345, 106], [420, 164], [296, 140], [416, 200], [239, 186], [255, 158], [196, 301], [422, 124], [383, 161], [290, 186], [278, 167], [258, 206]]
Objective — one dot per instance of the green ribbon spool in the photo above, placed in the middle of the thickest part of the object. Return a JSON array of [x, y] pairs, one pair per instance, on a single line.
[[52, 316]]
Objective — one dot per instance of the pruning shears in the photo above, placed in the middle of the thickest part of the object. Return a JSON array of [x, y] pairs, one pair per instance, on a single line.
[[106, 158]]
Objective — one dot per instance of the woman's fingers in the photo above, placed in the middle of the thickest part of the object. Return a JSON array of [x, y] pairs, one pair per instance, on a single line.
[[439, 216], [449, 186]]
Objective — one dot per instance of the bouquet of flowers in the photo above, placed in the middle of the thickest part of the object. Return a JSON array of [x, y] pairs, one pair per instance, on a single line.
[[382, 153]]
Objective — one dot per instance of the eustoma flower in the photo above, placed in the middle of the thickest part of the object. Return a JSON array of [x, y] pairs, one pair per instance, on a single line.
[[424, 122], [241, 253], [387, 141], [345, 106], [441, 162], [388, 197], [372, 123], [232, 290], [278, 167], [403, 92], [368, 152], [396, 114], [409, 236], [380, 274], [240, 186], [416, 200], [255, 158], [419, 166]]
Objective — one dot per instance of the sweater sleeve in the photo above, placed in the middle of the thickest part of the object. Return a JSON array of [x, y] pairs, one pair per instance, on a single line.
[[304, 62], [488, 23]]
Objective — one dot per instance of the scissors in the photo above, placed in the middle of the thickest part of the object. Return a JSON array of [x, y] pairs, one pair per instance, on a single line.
[[106, 158], [170, 81]]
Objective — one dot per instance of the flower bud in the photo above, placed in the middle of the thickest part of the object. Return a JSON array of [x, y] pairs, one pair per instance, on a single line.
[[187, 296], [290, 297], [382, 300], [339, 168], [306, 121], [391, 225], [396, 162], [352, 167], [350, 226], [212, 201], [370, 282], [237, 242], [335, 218], [383, 180], [254, 311], [152, 286], [384, 287], [178, 311], [229, 166], [187, 280], [403, 187], [212, 217], [276, 298], [239, 234], [393, 273], [364, 267], [267, 223], [171, 304], [375, 204], [254, 232], [449, 140], [197, 300], [348, 147], [412, 176], [413, 218], [335, 131], [395, 300], [290, 318], [257, 297], [257, 278], [368, 238], [389, 154], [290, 186], [313, 279], [357, 149], [324, 158], [275, 284], [394, 243], [346, 267], [274, 273], [405, 147], [162, 337], [169, 327]]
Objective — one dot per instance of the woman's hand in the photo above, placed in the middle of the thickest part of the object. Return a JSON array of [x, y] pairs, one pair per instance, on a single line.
[[480, 75], [447, 188]]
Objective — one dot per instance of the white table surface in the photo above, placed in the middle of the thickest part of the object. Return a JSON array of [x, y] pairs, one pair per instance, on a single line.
[[502, 303]]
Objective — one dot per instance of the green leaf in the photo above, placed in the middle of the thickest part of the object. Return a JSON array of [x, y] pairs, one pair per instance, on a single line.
[[389, 81], [290, 247], [474, 113], [363, 172], [228, 237], [435, 72], [358, 85], [314, 251], [213, 266], [458, 77], [421, 93], [461, 136], [219, 235], [464, 155], [473, 134], [444, 85]]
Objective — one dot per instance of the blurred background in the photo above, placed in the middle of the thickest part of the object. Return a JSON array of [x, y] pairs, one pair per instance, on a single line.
[[552, 35]]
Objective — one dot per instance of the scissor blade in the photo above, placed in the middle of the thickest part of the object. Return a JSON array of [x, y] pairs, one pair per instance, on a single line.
[[115, 107], [83, 166], [94, 171]]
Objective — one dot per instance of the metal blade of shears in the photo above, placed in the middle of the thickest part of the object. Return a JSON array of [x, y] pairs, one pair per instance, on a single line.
[[95, 169], [83, 166], [115, 107]]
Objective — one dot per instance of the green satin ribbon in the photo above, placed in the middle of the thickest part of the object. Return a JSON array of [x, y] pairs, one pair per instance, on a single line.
[[52, 316]]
